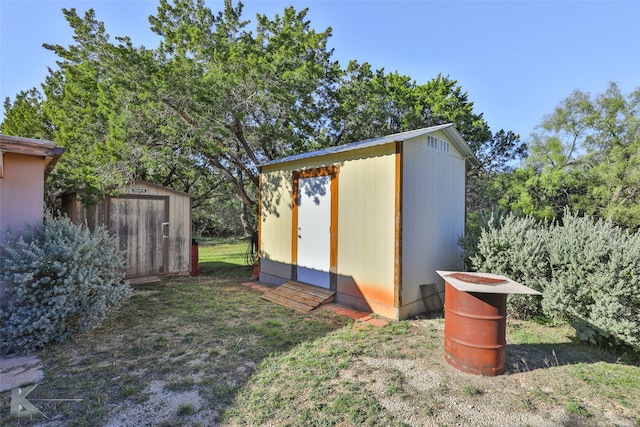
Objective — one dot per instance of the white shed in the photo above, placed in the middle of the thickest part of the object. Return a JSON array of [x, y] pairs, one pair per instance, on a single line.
[[371, 221]]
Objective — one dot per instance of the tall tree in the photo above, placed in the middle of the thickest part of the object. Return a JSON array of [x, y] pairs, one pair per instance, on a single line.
[[80, 122], [26, 116], [242, 98], [377, 103], [374, 103], [585, 155], [614, 151]]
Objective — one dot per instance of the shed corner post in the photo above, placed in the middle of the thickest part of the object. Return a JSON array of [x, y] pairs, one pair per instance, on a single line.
[[295, 177], [397, 279]]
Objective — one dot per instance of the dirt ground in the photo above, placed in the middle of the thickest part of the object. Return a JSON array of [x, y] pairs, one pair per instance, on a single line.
[[530, 393], [402, 374], [425, 390]]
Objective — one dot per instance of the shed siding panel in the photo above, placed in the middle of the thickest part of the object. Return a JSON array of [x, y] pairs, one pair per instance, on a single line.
[[92, 217], [433, 215], [183, 243], [179, 233], [276, 212], [365, 269], [366, 212], [276, 217]]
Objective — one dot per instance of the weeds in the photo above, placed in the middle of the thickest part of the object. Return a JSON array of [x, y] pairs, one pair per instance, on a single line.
[[528, 404], [186, 410], [577, 408], [471, 390], [394, 383]]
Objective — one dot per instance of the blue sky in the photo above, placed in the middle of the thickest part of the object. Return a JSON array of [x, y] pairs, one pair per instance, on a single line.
[[516, 59]]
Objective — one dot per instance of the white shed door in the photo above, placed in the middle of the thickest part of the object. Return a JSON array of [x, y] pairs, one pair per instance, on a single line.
[[314, 230]]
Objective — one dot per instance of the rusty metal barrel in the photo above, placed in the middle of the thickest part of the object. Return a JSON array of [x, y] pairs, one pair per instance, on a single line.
[[475, 318], [474, 331]]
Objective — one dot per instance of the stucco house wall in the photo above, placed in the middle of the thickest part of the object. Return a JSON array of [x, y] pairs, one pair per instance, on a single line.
[[24, 165], [24, 162]]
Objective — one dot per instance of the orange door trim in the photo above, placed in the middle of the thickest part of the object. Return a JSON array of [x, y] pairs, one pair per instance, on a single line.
[[332, 172]]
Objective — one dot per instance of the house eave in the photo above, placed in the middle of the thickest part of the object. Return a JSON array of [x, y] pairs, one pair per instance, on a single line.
[[47, 150]]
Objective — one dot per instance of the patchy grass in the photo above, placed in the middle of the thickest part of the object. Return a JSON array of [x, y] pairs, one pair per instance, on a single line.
[[575, 407], [613, 381], [209, 351], [223, 257], [394, 377], [184, 337], [472, 390]]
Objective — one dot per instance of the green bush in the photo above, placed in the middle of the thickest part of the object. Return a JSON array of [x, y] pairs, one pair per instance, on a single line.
[[588, 271], [60, 279], [516, 248], [475, 223], [595, 281]]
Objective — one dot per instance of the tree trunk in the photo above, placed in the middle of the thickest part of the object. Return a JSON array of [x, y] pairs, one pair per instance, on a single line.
[[245, 219], [613, 201]]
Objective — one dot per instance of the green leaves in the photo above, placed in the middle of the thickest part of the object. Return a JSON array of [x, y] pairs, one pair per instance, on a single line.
[[221, 95], [60, 279], [586, 155], [239, 98], [26, 116], [378, 103], [595, 280], [587, 269]]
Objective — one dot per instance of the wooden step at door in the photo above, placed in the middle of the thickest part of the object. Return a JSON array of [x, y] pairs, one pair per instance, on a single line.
[[299, 296]]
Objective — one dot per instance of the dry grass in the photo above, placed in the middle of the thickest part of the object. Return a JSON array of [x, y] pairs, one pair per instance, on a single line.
[[177, 353], [397, 376], [209, 351]]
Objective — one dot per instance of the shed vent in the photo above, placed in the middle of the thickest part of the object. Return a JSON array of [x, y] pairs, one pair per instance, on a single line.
[[437, 144]]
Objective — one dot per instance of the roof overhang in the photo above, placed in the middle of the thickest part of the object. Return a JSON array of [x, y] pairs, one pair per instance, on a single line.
[[48, 150], [449, 129], [461, 144]]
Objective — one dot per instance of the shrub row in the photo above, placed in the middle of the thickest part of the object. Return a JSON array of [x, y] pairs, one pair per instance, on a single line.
[[60, 279], [588, 271]]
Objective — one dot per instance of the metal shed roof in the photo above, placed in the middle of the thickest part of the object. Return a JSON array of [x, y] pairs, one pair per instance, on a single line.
[[448, 128]]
